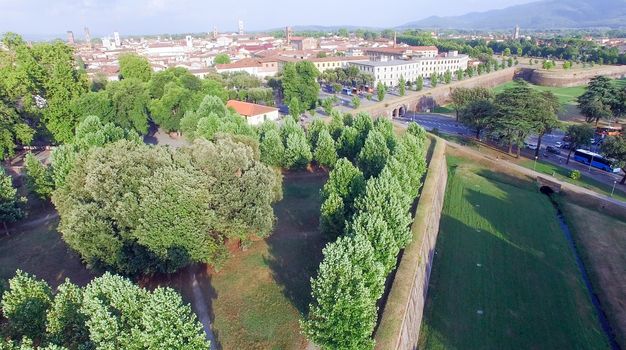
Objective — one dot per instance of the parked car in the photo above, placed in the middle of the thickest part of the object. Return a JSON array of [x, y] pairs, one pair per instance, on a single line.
[[532, 146], [558, 144], [552, 149], [566, 145]]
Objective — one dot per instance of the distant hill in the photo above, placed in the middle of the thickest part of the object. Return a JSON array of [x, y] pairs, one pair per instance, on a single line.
[[549, 14]]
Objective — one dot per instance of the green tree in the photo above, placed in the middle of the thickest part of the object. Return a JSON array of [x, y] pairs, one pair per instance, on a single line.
[[598, 100], [299, 81], [297, 151], [615, 148], [133, 66], [295, 110], [14, 130], [168, 111], [447, 76], [512, 123], [470, 72], [507, 52], [39, 178], [461, 97], [544, 117], [348, 143], [130, 103], [381, 90], [10, 203], [38, 82], [402, 85], [434, 79], [374, 154], [328, 104], [186, 203], [65, 323], [477, 115], [325, 151], [25, 305], [314, 130], [122, 315], [419, 84], [336, 125], [345, 184], [342, 314], [459, 74], [94, 103], [356, 102], [272, 149], [221, 58], [343, 32]]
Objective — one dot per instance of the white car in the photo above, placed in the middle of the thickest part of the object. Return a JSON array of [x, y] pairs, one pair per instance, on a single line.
[[532, 146], [558, 144]]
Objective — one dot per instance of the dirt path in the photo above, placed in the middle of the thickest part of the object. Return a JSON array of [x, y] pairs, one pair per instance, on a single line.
[[200, 307]]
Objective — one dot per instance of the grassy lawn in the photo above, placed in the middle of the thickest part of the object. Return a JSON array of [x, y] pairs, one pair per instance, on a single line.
[[444, 110], [261, 293], [36, 247], [601, 241], [566, 95], [504, 276], [562, 174]]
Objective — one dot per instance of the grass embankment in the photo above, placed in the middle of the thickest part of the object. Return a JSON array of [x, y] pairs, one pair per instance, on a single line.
[[262, 292], [504, 276], [545, 167], [601, 242], [563, 174]]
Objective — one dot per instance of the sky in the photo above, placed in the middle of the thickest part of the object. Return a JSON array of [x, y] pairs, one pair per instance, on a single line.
[[135, 17]]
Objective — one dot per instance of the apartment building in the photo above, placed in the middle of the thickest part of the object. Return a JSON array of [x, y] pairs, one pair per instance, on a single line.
[[389, 72]]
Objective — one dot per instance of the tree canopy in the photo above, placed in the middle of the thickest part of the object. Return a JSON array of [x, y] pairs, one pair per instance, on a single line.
[[109, 313], [133, 66], [164, 209]]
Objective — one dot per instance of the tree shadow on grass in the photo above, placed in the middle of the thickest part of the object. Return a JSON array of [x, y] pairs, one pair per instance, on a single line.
[[295, 247]]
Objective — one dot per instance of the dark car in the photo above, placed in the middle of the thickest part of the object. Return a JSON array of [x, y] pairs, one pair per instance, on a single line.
[[552, 149], [566, 145]]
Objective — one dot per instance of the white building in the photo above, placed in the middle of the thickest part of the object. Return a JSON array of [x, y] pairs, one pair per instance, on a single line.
[[255, 114], [116, 37], [389, 72]]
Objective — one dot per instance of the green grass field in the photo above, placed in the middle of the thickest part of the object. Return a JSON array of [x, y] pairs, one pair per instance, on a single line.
[[566, 95], [504, 276], [261, 293], [562, 174], [601, 242]]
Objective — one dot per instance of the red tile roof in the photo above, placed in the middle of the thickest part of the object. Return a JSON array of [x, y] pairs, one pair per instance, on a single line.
[[247, 109]]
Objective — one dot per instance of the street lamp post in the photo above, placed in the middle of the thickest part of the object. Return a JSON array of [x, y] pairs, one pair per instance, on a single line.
[[535, 164], [591, 162], [613, 190]]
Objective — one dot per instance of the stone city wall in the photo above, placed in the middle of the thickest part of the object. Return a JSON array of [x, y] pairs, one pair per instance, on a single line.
[[402, 314]]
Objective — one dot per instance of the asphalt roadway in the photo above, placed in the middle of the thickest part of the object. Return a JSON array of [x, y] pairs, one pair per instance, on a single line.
[[448, 125]]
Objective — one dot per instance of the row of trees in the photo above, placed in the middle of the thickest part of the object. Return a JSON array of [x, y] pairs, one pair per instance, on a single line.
[[566, 48], [109, 313], [367, 207], [510, 116]]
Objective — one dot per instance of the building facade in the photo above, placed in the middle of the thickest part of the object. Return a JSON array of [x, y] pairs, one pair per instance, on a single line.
[[390, 72], [255, 114]]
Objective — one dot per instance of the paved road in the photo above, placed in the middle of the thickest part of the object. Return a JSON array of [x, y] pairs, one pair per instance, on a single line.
[[448, 125]]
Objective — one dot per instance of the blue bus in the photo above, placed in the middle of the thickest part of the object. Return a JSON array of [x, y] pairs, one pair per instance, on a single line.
[[596, 160]]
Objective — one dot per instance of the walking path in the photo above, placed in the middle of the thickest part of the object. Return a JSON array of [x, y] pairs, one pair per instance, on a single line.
[[201, 308]]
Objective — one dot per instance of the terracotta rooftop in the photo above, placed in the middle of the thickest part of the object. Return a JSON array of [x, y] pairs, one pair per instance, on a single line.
[[247, 109], [242, 63]]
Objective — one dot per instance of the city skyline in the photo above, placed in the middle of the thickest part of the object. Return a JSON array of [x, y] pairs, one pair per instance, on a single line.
[[187, 16]]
